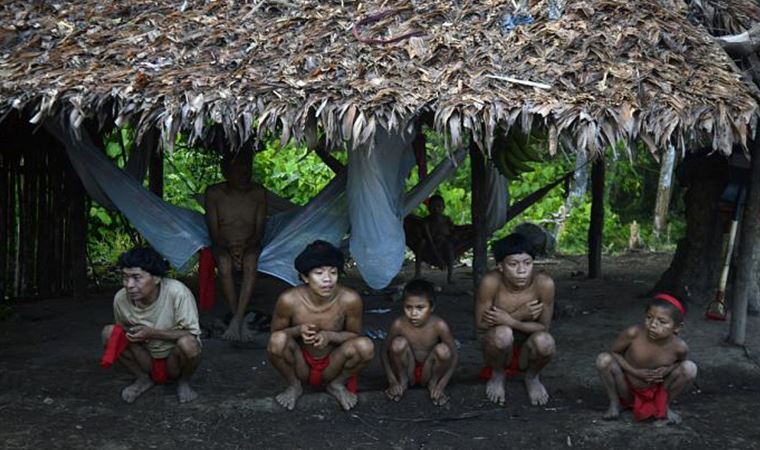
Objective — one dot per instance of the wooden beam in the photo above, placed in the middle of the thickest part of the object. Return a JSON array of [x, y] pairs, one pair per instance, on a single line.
[[156, 170], [77, 234], [478, 207], [664, 189], [596, 227], [748, 253]]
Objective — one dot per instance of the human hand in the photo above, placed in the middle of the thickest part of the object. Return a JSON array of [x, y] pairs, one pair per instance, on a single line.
[[495, 316], [658, 375], [139, 333], [308, 332], [530, 311], [320, 339]]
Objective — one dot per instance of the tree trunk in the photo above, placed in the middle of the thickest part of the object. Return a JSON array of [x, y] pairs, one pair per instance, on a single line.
[[696, 264], [664, 188], [748, 254], [478, 208], [596, 227]]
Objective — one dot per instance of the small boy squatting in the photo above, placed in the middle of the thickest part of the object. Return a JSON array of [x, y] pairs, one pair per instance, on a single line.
[[420, 348], [647, 366]]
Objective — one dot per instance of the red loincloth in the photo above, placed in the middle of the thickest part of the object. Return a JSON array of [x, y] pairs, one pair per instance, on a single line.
[[514, 366], [115, 346], [418, 373], [648, 402], [206, 279], [158, 371], [318, 365]]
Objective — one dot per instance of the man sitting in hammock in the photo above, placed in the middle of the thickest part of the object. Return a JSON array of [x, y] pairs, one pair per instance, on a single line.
[[435, 239], [235, 213]]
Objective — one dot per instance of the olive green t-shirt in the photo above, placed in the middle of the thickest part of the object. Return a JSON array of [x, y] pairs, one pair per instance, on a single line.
[[174, 309]]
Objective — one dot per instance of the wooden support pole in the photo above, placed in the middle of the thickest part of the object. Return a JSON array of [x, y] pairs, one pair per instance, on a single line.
[[77, 234], [5, 214], [156, 170], [478, 208], [596, 227], [748, 253]]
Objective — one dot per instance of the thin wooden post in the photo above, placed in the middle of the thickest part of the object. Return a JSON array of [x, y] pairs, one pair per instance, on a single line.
[[4, 219], [156, 170], [596, 227], [478, 209], [77, 234], [664, 189], [748, 253]]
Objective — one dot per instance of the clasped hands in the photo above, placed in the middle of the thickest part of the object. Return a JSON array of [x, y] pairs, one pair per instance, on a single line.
[[139, 333], [312, 336], [529, 311], [652, 376]]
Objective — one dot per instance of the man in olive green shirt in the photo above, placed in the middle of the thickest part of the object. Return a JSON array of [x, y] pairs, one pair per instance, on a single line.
[[156, 320]]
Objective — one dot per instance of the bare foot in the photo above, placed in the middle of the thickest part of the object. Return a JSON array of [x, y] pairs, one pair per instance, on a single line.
[[289, 396], [495, 389], [130, 393], [673, 417], [438, 396], [613, 412], [346, 399], [246, 334], [185, 393], [395, 391], [233, 330], [536, 391]]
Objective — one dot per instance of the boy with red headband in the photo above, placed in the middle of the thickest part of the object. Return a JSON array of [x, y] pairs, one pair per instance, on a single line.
[[316, 330], [647, 366]]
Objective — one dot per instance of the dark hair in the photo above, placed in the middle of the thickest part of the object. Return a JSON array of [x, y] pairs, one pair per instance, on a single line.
[[318, 254], [145, 258], [659, 299], [421, 288], [512, 244], [435, 197]]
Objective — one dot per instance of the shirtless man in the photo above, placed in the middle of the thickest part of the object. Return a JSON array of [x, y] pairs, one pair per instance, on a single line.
[[156, 333], [438, 230], [513, 310], [316, 330], [647, 366], [420, 347], [235, 213]]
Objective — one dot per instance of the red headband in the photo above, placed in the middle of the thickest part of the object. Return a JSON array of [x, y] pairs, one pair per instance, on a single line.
[[672, 300]]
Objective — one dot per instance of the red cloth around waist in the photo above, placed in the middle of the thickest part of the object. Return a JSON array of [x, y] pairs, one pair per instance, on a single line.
[[514, 366], [206, 279], [115, 346], [648, 402], [418, 372], [318, 365], [158, 371]]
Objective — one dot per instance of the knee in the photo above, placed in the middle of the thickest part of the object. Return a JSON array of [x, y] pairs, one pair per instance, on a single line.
[[442, 352], [604, 361], [250, 261], [189, 346], [689, 370], [364, 348], [399, 345], [224, 264], [502, 338], [278, 342], [105, 335], [544, 343]]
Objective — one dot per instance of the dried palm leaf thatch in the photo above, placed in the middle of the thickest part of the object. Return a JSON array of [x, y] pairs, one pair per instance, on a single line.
[[604, 71], [722, 17]]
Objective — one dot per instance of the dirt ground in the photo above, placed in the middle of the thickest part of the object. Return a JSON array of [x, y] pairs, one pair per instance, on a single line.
[[53, 394]]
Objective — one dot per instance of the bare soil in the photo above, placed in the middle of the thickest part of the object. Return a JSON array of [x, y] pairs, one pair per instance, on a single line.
[[53, 394]]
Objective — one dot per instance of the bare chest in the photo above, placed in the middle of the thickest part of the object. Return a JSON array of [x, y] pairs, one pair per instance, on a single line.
[[332, 318], [510, 301], [644, 354]]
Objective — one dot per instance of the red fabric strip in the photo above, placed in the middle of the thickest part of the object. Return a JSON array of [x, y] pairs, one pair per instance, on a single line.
[[158, 371], [115, 346], [648, 402]]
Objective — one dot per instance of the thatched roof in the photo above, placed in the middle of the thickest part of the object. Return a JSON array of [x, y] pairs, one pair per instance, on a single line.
[[722, 17], [606, 70]]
